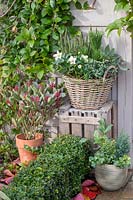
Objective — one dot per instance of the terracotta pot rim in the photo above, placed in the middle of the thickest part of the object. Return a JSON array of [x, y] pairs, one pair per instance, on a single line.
[[21, 137]]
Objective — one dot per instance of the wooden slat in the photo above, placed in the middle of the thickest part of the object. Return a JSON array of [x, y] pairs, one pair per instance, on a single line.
[[76, 127], [53, 122], [89, 131], [81, 120], [64, 108], [106, 107], [63, 127]]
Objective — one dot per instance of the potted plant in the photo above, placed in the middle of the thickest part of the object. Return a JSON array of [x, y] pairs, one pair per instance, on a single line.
[[111, 160], [88, 69], [32, 104]]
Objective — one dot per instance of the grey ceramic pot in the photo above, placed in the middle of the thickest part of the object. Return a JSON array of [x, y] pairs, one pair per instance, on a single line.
[[110, 177]]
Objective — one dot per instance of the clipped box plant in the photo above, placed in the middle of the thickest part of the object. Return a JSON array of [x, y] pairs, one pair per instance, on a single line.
[[56, 174]]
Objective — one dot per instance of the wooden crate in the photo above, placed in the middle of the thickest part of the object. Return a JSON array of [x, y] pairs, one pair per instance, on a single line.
[[84, 122], [52, 127]]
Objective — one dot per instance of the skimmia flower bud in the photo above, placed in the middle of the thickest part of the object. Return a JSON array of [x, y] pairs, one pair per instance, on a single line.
[[19, 112], [46, 98], [35, 98], [8, 102], [29, 83], [57, 94], [16, 88], [25, 95], [52, 85]]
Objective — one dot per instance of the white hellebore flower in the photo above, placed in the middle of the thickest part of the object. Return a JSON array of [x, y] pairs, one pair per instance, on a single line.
[[57, 55], [72, 60], [85, 57], [79, 66]]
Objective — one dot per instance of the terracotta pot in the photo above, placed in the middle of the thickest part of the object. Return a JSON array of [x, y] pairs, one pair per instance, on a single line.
[[25, 155], [110, 177]]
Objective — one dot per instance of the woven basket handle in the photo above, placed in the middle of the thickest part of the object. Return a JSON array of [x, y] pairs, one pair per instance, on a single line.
[[106, 72]]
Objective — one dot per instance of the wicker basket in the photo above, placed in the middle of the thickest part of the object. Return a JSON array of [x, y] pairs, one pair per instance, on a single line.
[[90, 94]]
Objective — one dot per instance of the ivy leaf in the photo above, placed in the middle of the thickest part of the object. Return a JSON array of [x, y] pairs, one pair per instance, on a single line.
[[83, 140], [86, 6], [40, 74], [67, 1], [78, 5], [44, 12], [52, 3], [58, 19], [46, 21], [123, 67], [31, 43], [117, 24], [55, 36], [32, 53], [46, 33], [33, 5], [119, 31], [1, 61]]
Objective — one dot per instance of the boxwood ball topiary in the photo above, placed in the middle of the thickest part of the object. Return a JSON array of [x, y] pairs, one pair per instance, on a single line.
[[56, 174]]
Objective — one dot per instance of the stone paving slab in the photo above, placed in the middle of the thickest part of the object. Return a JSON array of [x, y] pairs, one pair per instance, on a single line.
[[126, 193], [110, 196]]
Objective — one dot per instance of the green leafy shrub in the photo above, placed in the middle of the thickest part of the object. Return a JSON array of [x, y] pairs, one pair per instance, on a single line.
[[29, 33], [123, 22], [57, 173]]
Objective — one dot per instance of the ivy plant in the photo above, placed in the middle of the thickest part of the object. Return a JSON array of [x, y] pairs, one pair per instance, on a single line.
[[123, 22], [29, 33]]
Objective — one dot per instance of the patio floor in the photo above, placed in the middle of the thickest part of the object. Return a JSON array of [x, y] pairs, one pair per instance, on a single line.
[[126, 193]]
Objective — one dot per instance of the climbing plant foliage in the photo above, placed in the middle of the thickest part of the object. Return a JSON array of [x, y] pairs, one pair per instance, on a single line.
[[123, 22], [29, 33]]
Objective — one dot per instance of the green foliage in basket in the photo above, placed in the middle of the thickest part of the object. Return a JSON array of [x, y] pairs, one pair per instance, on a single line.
[[84, 57], [110, 151], [57, 173]]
